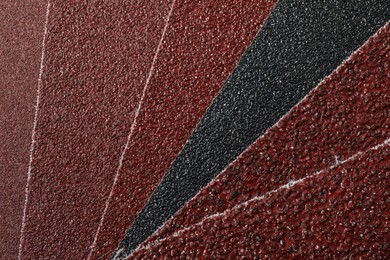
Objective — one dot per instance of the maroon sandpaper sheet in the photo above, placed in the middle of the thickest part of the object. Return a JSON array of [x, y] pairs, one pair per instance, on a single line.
[[97, 57], [202, 45], [21, 36], [346, 113], [340, 212]]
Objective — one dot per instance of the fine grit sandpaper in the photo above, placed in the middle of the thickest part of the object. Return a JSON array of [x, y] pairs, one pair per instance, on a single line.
[[98, 55], [341, 212], [347, 112], [300, 44], [21, 37], [201, 46]]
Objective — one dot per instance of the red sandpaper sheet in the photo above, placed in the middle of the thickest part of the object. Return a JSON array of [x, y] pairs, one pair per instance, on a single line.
[[202, 44], [98, 55], [21, 36], [346, 113], [341, 212]]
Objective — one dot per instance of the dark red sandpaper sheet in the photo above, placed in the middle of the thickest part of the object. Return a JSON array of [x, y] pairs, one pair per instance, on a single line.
[[21, 35], [97, 58], [339, 212], [346, 113], [202, 45]]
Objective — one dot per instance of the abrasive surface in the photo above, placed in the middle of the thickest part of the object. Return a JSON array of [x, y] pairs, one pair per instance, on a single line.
[[201, 46], [97, 58], [300, 44], [345, 113], [21, 34], [342, 212]]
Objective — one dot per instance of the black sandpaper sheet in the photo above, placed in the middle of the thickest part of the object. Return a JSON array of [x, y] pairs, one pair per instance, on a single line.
[[301, 43]]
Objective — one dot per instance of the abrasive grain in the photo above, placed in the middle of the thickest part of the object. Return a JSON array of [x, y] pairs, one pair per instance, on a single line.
[[347, 112], [21, 34], [201, 46], [301, 43], [97, 58], [342, 212]]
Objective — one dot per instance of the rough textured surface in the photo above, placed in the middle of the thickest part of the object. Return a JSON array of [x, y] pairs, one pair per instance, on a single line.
[[201, 46], [342, 212], [94, 72], [21, 34], [347, 112], [301, 43]]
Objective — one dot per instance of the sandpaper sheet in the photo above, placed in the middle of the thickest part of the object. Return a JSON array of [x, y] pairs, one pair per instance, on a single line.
[[347, 112], [21, 36], [341, 212], [201, 46], [300, 44], [98, 55]]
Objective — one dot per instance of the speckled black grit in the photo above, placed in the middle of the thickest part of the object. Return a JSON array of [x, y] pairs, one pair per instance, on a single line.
[[301, 43]]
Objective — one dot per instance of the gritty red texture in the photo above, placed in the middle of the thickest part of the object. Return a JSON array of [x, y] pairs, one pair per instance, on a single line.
[[340, 212], [202, 45], [97, 57], [346, 113], [21, 34]]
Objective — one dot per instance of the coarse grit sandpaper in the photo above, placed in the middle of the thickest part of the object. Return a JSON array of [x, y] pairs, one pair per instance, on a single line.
[[21, 35], [341, 212], [300, 44], [347, 112], [98, 55], [202, 44]]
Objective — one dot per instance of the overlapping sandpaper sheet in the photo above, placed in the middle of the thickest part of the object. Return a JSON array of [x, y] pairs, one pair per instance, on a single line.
[[340, 212], [300, 44], [348, 112], [202, 44], [97, 57], [21, 36]]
